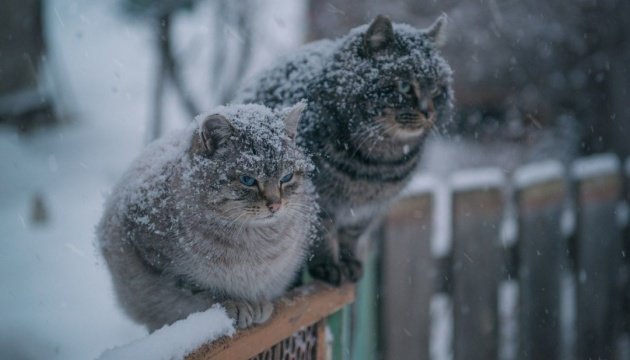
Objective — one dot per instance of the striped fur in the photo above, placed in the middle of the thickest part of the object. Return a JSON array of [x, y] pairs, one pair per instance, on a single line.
[[373, 96]]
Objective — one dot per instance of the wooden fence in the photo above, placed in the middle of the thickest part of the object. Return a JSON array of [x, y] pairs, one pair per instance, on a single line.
[[483, 265], [527, 266]]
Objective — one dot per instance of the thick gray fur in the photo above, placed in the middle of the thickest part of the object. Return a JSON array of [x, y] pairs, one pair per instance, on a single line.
[[180, 231], [361, 90]]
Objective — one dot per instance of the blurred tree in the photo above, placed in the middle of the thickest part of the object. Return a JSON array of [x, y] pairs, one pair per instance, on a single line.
[[24, 100], [223, 82], [520, 65]]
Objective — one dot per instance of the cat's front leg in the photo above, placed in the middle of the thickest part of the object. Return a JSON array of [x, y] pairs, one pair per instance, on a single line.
[[351, 265], [247, 312], [334, 258], [325, 266], [323, 263]]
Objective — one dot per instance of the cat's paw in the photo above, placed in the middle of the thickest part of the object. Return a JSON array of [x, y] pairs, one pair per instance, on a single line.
[[246, 313], [352, 269], [329, 272], [263, 311], [347, 270]]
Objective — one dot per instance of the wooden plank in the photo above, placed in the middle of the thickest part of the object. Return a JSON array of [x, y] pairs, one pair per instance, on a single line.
[[625, 217], [322, 346], [598, 258], [407, 278], [365, 329], [542, 255], [340, 328], [477, 265], [302, 307]]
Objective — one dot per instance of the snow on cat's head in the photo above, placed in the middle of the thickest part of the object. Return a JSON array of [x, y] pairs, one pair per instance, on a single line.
[[246, 165], [394, 83]]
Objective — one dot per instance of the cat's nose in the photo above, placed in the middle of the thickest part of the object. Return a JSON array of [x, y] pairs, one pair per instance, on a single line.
[[426, 108], [273, 206]]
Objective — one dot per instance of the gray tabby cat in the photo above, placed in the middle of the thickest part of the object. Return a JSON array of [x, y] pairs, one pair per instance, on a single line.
[[222, 213], [373, 96]]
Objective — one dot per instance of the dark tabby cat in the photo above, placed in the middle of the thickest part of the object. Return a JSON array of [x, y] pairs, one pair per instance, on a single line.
[[219, 214], [373, 96]]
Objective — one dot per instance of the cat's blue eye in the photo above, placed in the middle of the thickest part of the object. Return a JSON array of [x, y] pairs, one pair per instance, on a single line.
[[286, 178], [404, 87], [247, 180]]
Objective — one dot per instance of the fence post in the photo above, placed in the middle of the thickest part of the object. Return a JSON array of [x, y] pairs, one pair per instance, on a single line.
[[625, 223], [477, 262], [407, 277], [598, 256], [365, 329], [540, 193]]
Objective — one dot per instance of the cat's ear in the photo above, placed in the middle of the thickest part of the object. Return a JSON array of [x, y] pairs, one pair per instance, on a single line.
[[214, 132], [292, 119], [379, 35], [437, 31]]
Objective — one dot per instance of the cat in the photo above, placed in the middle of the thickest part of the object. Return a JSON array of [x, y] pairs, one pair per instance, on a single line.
[[222, 212], [374, 95]]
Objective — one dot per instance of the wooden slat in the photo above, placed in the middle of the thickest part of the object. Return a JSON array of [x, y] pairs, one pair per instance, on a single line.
[[365, 329], [477, 265], [542, 257], [407, 279], [599, 259], [340, 326], [626, 249], [322, 347], [302, 307]]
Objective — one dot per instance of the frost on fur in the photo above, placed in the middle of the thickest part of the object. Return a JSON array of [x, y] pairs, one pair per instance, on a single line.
[[373, 96], [181, 230]]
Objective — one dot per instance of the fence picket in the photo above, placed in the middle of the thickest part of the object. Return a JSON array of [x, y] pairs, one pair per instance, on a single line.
[[407, 278], [477, 263], [626, 255], [598, 256], [542, 260]]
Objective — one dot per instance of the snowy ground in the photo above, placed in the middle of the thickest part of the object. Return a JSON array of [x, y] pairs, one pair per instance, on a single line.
[[56, 300]]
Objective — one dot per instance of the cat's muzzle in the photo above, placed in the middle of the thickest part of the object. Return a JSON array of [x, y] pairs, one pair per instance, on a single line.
[[414, 120]]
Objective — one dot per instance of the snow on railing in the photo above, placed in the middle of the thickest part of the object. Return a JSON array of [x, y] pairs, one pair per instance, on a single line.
[[596, 165], [295, 330], [537, 173], [422, 184], [297, 327], [177, 340], [477, 179]]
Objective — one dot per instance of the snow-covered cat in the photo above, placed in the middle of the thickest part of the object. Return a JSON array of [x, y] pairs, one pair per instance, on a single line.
[[219, 213], [373, 96]]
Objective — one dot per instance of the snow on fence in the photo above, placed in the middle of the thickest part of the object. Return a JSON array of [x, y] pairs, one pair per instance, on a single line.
[[297, 331], [484, 265], [560, 289]]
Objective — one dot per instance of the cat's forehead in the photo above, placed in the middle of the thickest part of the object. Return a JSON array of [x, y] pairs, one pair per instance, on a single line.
[[411, 55], [266, 161], [264, 152], [257, 128]]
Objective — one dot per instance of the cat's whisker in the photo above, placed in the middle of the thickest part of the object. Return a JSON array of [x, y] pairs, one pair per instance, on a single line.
[[233, 222], [301, 209], [440, 131], [366, 135], [385, 130]]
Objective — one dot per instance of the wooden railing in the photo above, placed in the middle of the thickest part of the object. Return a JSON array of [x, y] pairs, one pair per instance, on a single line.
[[296, 330]]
